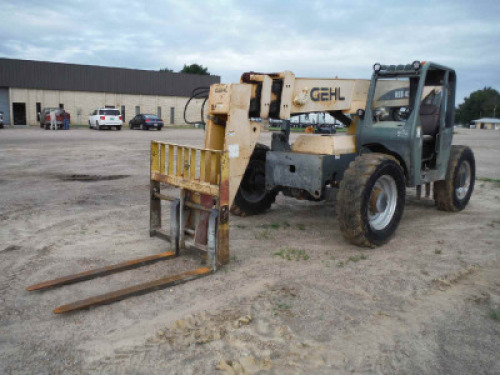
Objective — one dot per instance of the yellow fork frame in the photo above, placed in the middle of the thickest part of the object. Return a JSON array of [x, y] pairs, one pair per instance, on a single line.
[[202, 211]]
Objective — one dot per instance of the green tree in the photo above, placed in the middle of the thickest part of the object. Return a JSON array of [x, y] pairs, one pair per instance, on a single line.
[[195, 69], [166, 70], [480, 103]]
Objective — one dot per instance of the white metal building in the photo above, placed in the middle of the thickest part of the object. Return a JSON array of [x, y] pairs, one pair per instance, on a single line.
[[487, 123], [28, 86]]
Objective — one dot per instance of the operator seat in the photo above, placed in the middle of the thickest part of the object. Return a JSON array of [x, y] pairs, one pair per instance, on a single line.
[[429, 119]]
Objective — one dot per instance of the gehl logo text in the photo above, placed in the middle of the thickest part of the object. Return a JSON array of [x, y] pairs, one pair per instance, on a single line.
[[325, 94]]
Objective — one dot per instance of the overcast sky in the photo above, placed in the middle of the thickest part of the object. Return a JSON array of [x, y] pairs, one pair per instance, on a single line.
[[310, 38]]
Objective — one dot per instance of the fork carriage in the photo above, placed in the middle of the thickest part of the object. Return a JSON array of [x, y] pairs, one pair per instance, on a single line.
[[202, 211]]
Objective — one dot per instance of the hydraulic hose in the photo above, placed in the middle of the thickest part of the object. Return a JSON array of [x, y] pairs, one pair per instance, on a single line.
[[197, 93]]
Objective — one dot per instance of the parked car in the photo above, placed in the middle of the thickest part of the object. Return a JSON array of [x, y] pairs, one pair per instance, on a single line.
[[325, 129], [1, 120], [145, 122], [45, 117], [106, 118]]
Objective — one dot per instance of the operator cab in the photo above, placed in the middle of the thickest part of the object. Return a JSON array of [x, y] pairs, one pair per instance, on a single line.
[[410, 112]]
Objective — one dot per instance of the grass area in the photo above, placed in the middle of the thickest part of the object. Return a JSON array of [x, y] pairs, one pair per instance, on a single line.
[[495, 314], [496, 181], [352, 259], [282, 307], [270, 226], [289, 253], [264, 235], [301, 130]]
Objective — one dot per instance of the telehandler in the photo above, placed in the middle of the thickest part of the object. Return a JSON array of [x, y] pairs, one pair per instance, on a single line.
[[400, 134]]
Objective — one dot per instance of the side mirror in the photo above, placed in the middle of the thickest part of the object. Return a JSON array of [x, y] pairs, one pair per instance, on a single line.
[[361, 113]]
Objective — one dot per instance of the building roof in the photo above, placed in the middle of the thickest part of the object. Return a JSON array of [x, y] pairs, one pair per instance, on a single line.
[[488, 120], [72, 77]]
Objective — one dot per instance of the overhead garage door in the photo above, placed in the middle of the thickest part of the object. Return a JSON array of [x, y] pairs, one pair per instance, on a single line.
[[4, 104]]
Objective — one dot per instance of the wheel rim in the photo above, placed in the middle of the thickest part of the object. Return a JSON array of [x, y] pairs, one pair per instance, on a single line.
[[253, 186], [382, 203], [463, 179]]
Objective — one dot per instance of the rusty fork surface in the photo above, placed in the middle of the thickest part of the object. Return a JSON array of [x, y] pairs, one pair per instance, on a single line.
[[135, 290], [100, 272]]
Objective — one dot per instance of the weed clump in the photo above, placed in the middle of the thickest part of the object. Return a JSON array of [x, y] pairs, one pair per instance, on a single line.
[[289, 253]]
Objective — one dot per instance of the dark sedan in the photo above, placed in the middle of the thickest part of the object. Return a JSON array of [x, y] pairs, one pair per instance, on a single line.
[[146, 122], [325, 129]]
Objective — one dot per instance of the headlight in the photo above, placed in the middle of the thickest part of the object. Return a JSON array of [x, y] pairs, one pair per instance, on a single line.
[[416, 65], [377, 67]]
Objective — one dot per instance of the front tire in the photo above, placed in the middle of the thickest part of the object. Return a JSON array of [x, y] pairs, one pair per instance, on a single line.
[[371, 199], [454, 192], [252, 197]]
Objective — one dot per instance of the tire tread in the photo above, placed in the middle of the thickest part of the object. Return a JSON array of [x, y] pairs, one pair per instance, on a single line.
[[349, 199]]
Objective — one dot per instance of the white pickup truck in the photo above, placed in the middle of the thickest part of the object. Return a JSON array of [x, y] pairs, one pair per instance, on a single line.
[[105, 118]]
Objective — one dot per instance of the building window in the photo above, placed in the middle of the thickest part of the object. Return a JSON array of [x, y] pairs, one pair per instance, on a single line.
[[123, 113], [61, 106], [137, 109], [38, 110], [172, 115], [158, 112]]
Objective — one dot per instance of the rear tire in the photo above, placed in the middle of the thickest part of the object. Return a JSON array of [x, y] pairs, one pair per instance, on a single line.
[[454, 192], [252, 197], [371, 199]]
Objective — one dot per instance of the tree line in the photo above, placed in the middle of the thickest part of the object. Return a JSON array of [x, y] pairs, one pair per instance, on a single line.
[[189, 69], [480, 103]]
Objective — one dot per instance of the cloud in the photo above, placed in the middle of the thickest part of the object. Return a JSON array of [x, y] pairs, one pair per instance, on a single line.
[[311, 38]]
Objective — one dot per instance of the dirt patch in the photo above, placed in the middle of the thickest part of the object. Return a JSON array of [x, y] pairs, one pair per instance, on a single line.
[[91, 177], [296, 297]]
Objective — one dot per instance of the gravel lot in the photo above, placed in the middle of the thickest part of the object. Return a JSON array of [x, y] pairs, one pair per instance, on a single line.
[[423, 304]]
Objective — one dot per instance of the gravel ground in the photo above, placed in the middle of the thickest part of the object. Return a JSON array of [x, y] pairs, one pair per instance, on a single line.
[[423, 304]]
